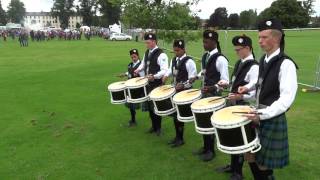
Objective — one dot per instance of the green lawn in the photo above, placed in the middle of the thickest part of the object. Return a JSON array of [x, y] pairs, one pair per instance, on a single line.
[[57, 122]]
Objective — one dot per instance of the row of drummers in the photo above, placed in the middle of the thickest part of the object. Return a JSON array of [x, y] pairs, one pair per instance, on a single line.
[[203, 107], [233, 131], [258, 135]]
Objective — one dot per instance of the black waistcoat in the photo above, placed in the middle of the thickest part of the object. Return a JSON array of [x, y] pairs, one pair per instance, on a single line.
[[239, 74], [151, 65], [268, 83], [212, 75], [182, 73], [131, 69]]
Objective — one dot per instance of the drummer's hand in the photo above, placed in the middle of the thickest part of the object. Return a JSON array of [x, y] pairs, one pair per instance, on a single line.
[[136, 71], [223, 83], [253, 117], [207, 89], [243, 90], [164, 79], [192, 80], [150, 77], [179, 86], [235, 97]]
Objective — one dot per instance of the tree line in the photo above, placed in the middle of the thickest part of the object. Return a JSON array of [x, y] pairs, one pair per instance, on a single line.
[[166, 15]]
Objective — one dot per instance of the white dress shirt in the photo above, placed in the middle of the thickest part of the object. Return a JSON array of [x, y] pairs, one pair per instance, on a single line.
[[221, 65], [162, 62], [288, 89], [191, 69], [141, 73], [251, 78]]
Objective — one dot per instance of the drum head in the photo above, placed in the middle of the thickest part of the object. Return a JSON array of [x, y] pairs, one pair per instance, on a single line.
[[186, 96], [117, 86], [161, 92], [208, 103], [137, 82], [226, 117]]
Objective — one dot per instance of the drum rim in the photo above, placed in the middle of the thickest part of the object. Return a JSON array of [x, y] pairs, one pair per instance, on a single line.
[[186, 102], [117, 89], [135, 86], [236, 123], [214, 108], [163, 97]]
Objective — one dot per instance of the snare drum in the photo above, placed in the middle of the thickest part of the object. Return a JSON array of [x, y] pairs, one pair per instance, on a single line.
[[202, 111], [137, 91], [183, 101], [235, 133], [118, 92], [162, 100]]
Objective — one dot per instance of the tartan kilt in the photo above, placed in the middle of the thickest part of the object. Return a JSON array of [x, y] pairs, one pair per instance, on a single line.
[[273, 135]]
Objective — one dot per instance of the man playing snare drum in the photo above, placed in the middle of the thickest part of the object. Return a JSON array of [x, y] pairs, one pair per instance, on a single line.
[[276, 91], [245, 74], [155, 66], [182, 68]]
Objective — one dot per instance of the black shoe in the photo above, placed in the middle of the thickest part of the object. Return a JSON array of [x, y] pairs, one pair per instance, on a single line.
[[208, 156], [199, 151], [236, 176], [224, 169], [178, 143], [132, 123], [151, 130], [173, 141], [158, 132]]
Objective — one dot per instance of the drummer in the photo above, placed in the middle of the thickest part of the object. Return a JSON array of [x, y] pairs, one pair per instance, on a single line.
[[276, 91], [155, 66], [214, 73], [134, 55], [245, 74], [182, 68]]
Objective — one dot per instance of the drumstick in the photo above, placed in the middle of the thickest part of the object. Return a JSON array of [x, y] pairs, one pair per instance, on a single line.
[[257, 113], [218, 98], [193, 91], [246, 93]]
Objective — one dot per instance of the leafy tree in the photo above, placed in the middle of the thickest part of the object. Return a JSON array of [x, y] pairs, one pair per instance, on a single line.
[[16, 11], [290, 12], [62, 9], [219, 18], [3, 15], [233, 20]]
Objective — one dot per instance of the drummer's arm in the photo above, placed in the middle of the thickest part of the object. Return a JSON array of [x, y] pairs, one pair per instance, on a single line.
[[141, 67], [192, 73], [251, 78], [163, 63]]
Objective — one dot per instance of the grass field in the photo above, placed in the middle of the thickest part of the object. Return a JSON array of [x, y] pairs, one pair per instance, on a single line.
[[57, 122]]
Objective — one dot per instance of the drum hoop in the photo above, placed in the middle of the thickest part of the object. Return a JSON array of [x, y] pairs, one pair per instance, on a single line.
[[244, 148], [164, 97], [211, 109], [136, 87], [188, 102], [117, 90], [165, 113]]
